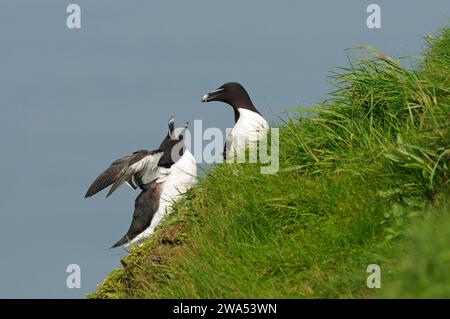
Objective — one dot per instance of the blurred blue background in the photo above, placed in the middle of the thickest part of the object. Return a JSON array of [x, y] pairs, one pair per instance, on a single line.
[[72, 101]]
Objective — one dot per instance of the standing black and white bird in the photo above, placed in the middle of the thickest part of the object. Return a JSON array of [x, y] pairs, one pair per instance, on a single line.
[[249, 125], [150, 171]]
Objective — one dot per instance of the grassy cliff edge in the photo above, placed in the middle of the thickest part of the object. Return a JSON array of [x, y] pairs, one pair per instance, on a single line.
[[363, 180]]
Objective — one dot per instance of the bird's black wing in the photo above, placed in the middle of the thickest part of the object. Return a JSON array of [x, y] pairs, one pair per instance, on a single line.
[[143, 162], [227, 146], [114, 171], [146, 205]]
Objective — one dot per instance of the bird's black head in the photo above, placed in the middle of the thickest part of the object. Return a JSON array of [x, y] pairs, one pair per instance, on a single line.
[[173, 146], [233, 94]]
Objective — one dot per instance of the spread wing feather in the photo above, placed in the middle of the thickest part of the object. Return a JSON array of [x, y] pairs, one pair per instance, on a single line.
[[148, 162], [116, 170]]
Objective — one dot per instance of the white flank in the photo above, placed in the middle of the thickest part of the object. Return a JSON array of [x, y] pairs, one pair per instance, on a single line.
[[249, 128]]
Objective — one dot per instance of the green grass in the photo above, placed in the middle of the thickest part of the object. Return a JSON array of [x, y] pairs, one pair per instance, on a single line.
[[423, 269], [363, 179]]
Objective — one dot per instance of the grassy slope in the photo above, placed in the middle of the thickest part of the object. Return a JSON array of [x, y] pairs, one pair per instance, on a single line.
[[364, 180]]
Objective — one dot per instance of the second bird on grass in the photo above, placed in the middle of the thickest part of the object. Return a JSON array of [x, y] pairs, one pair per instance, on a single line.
[[249, 125]]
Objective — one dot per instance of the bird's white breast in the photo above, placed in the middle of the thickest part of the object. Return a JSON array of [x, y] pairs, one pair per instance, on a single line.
[[249, 128], [183, 174]]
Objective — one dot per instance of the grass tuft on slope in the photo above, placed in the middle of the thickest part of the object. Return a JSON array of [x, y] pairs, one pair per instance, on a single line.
[[363, 180]]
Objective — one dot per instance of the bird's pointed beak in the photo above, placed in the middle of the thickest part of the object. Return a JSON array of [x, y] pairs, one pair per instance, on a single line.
[[211, 95]]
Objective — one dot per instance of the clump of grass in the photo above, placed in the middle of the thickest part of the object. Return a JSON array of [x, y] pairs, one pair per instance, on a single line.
[[371, 162], [421, 264]]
